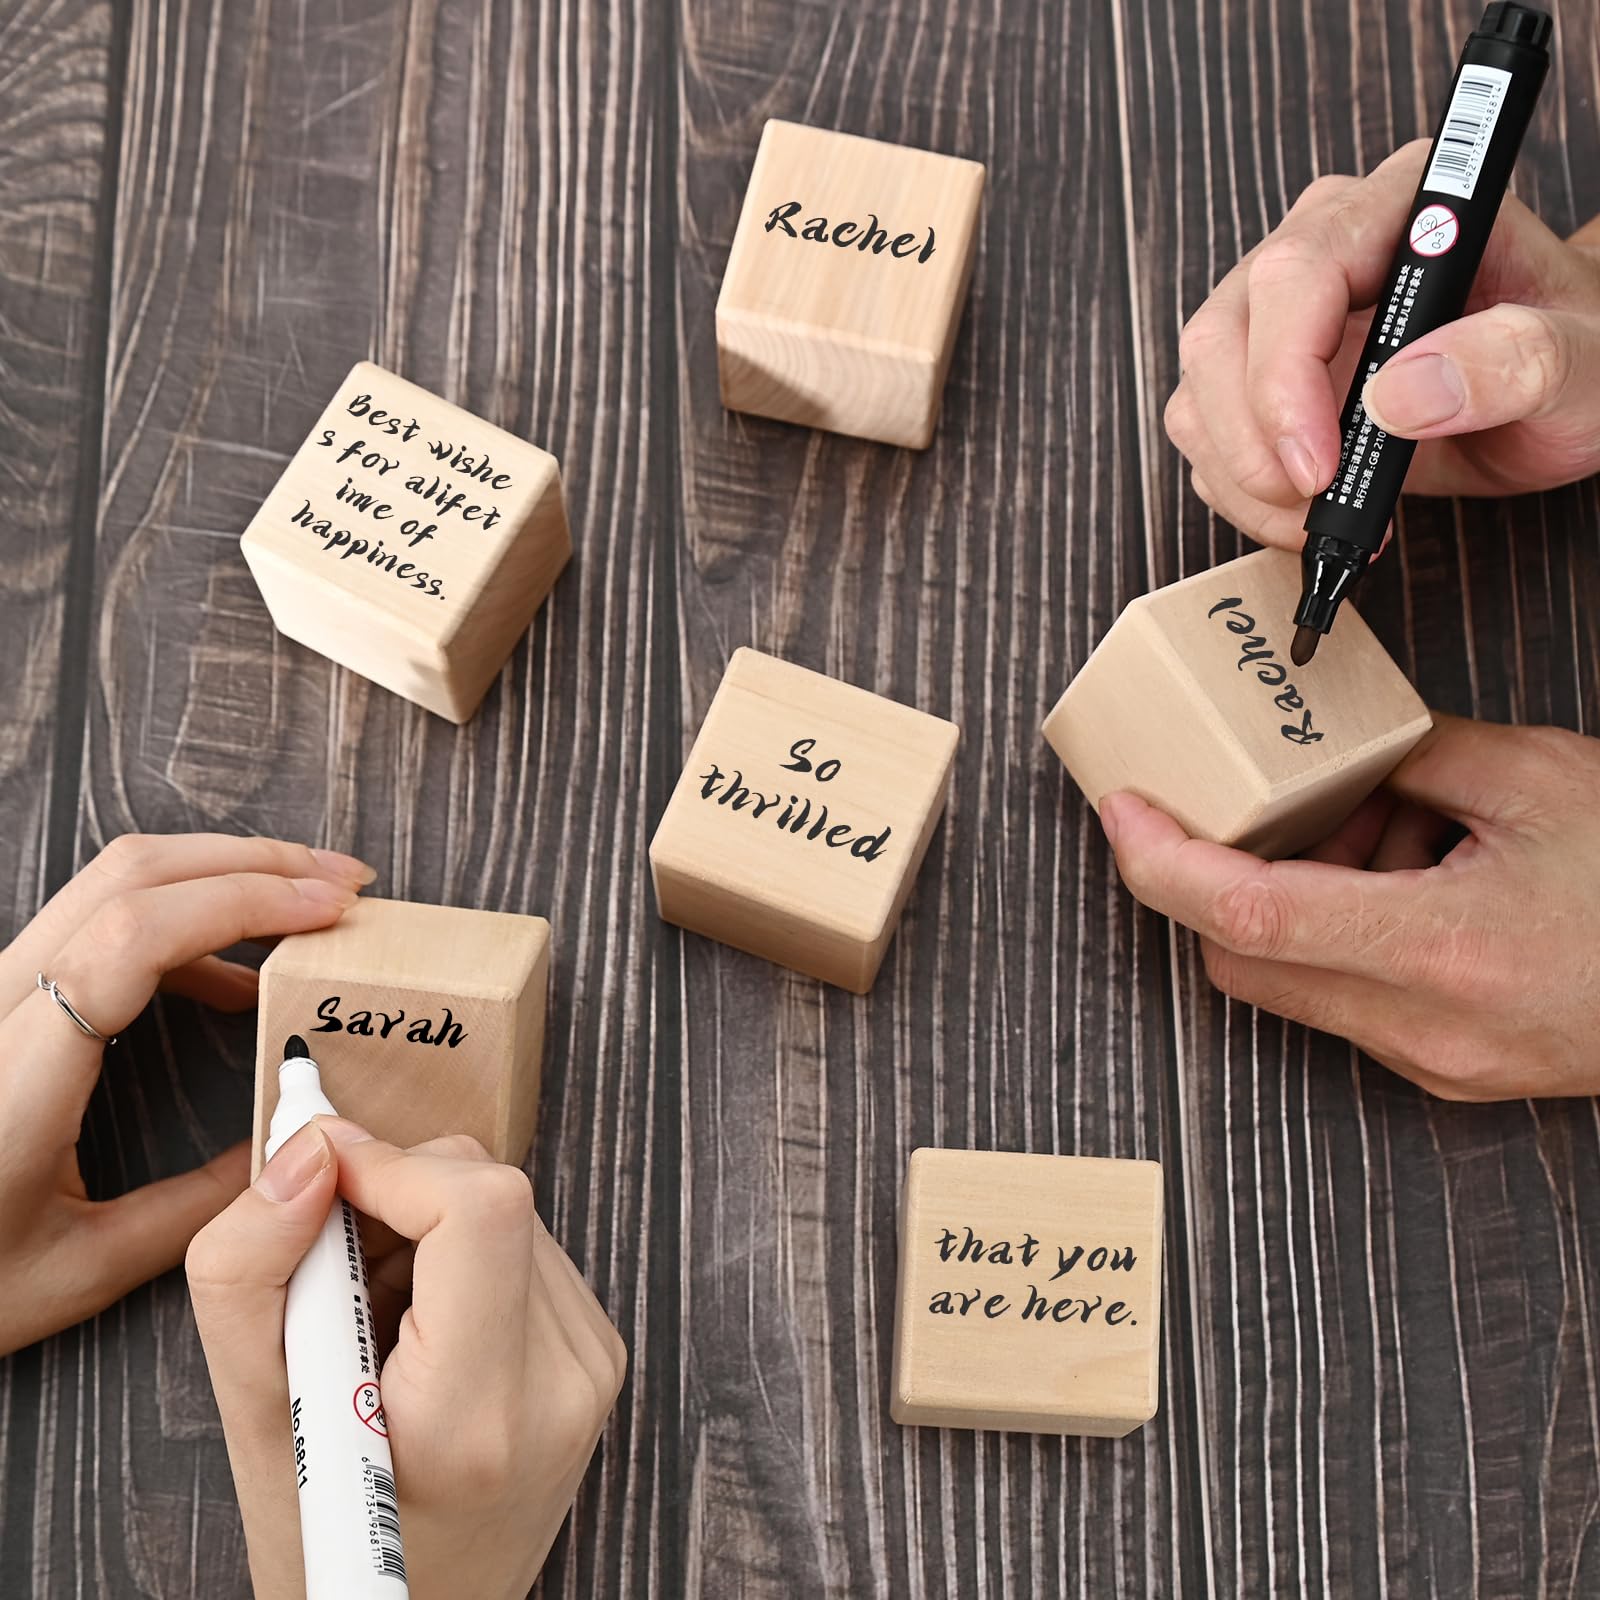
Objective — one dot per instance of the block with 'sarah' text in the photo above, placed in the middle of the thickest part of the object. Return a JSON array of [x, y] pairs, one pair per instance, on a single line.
[[1029, 1293], [425, 1020], [410, 541], [845, 283], [1192, 702], [797, 827]]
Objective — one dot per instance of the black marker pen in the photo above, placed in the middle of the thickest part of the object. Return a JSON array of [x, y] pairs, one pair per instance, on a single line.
[[1491, 102]]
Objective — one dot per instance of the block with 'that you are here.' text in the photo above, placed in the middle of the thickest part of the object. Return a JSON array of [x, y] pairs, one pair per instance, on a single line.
[[410, 541]]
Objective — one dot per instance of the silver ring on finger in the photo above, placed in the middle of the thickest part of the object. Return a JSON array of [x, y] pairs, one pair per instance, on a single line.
[[71, 1012]]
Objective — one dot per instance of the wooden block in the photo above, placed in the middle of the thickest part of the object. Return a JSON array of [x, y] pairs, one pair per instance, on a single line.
[[425, 1020], [410, 541], [845, 283], [801, 819], [1191, 701], [1029, 1293]]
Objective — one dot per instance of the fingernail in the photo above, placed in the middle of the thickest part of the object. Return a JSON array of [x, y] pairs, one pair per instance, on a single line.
[[351, 867], [1112, 814], [343, 1132], [294, 1166], [1409, 395], [1300, 464], [321, 892]]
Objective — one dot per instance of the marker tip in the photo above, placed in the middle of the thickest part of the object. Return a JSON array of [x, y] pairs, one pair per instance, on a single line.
[[296, 1047], [1304, 646]]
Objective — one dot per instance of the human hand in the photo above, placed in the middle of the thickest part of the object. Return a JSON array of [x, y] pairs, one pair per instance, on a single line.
[[502, 1373], [146, 913], [1505, 400], [1476, 976]]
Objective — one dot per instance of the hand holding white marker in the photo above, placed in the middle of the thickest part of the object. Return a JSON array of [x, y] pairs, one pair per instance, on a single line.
[[349, 1510], [499, 1366]]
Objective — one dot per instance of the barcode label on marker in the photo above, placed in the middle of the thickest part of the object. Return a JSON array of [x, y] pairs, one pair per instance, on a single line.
[[383, 1505], [1468, 128]]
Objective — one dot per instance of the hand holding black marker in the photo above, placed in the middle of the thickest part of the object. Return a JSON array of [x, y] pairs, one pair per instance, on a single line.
[[1491, 102]]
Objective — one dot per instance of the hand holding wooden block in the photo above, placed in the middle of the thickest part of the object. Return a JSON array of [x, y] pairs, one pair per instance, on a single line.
[[845, 283], [801, 819], [1029, 1293], [1192, 703], [410, 541], [425, 1020]]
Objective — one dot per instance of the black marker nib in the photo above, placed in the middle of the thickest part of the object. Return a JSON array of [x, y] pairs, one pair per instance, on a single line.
[[296, 1047], [1305, 645]]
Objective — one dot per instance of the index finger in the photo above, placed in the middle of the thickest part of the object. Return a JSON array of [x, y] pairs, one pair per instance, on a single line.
[[1309, 913], [473, 1222], [1325, 261]]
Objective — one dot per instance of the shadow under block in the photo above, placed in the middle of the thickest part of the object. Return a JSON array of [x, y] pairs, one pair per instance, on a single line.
[[1029, 1293], [1191, 701], [410, 541], [425, 1020], [845, 283], [801, 818]]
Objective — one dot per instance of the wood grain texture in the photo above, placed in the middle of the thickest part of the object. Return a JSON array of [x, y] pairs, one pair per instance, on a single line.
[[1377, 1353]]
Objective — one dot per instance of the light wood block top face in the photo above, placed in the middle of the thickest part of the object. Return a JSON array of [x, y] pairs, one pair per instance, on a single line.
[[1191, 701], [801, 818], [845, 283], [425, 1020], [1029, 1293], [410, 541]]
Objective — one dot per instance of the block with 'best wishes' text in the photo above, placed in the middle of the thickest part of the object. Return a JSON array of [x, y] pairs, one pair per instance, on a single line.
[[410, 541]]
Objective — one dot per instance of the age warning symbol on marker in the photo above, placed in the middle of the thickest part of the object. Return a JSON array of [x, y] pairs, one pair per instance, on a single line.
[[1434, 230], [369, 1407]]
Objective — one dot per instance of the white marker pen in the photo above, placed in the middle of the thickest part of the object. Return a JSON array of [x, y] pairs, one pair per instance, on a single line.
[[349, 1512]]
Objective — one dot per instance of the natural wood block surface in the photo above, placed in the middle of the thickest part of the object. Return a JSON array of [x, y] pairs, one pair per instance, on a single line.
[[425, 1020], [845, 283], [1191, 701], [410, 541], [1029, 1293], [801, 818]]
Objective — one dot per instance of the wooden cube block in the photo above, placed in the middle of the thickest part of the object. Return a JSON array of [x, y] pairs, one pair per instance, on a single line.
[[845, 283], [410, 541], [425, 1020], [801, 819], [1191, 701], [1029, 1293]]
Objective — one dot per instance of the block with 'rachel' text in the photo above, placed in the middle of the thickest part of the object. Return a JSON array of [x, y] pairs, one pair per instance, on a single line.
[[410, 541], [1029, 1293], [1192, 703], [425, 1020], [799, 823], [845, 283]]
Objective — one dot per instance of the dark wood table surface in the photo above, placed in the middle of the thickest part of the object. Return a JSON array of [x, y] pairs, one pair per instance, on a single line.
[[1382, 1311]]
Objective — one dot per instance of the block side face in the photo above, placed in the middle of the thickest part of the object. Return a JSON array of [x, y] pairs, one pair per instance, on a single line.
[[403, 509], [519, 1109], [408, 1064], [808, 805], [1133, 719], [906, 292], [1029, 1292], [1232, 628]]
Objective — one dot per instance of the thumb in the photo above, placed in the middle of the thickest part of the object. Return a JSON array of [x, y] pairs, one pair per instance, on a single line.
[[240, 1263], [1510, 363]]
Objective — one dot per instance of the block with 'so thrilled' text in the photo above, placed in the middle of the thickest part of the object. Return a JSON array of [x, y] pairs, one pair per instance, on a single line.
[[1029, 1293], [425, 1020], [410, 541], [801, 818], [1192, 702], [845, 283]]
